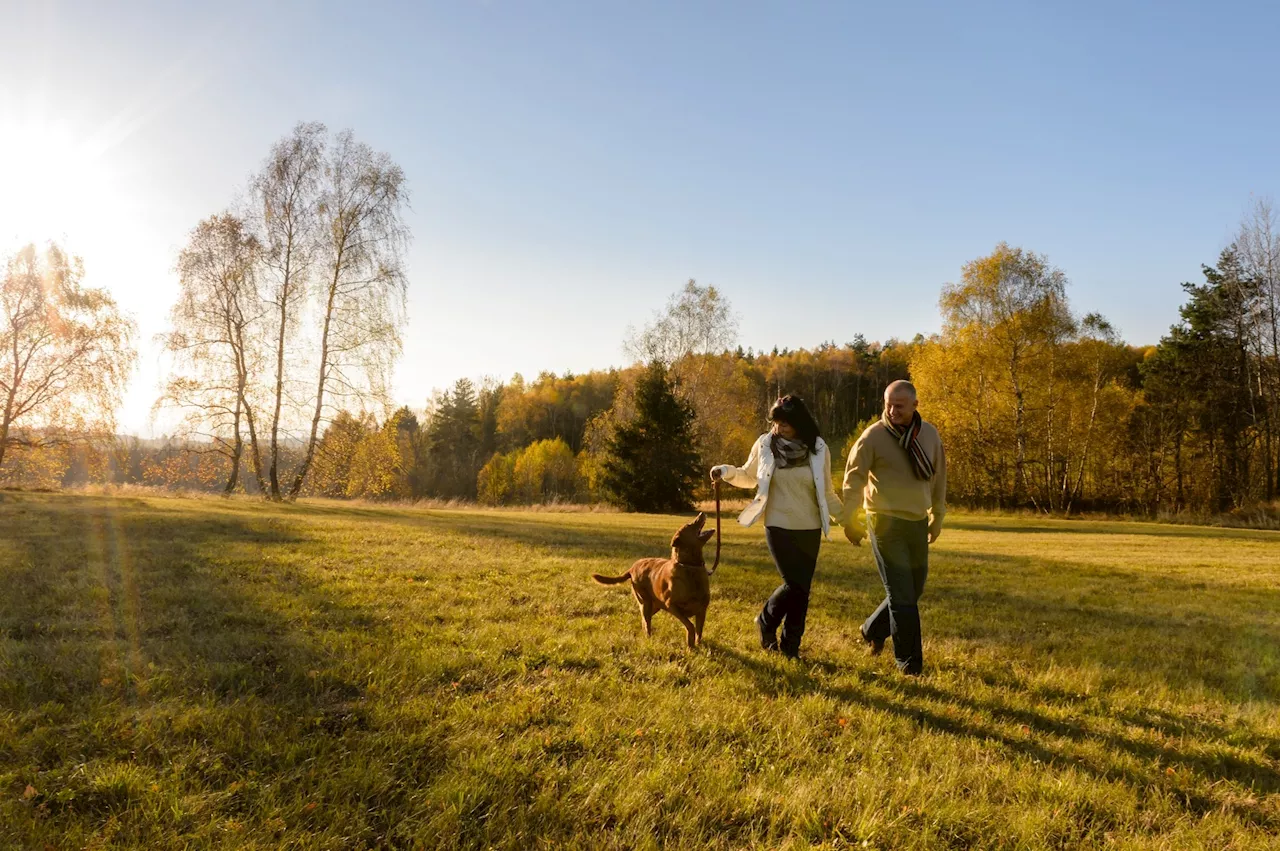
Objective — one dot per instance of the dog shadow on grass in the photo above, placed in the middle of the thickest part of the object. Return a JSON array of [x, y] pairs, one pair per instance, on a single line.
[[1056, 742]]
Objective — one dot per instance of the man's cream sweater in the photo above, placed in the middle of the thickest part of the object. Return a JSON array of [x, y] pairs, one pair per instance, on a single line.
[[879, 477]]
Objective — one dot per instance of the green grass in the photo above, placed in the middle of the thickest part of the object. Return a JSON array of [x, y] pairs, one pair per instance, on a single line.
[[213, 674]]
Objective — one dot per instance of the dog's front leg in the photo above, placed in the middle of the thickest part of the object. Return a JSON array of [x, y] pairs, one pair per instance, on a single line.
[[691, 632]]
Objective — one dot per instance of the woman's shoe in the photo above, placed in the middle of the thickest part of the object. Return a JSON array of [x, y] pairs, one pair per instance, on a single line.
[[768, 637]]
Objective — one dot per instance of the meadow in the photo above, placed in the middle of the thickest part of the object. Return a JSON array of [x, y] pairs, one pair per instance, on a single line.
[[203, 673]]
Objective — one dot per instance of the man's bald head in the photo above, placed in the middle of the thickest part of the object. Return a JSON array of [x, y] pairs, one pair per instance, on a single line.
[[900, 402], [900, 386]]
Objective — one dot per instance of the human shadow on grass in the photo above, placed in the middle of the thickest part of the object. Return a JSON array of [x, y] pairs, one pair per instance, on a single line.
[[915, 701]]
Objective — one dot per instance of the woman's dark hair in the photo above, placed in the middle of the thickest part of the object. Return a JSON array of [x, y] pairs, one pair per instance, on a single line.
[[791, 409]]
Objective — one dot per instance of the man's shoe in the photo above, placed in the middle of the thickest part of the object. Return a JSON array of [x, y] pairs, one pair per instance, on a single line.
[[768, 637], [875, 646], [792, 653]]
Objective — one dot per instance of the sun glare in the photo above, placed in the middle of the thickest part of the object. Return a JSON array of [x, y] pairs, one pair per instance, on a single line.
[[53, 186]]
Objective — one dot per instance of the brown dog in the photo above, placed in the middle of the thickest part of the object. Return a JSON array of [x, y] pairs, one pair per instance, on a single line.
[[679, 584]]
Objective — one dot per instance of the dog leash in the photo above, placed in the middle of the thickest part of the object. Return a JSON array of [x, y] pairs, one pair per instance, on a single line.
[[715, 486]]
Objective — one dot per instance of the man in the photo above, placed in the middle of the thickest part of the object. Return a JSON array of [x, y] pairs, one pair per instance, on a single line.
[[898, 473]]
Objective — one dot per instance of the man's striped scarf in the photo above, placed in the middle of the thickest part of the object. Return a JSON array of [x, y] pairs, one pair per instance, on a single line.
[[908, 439]]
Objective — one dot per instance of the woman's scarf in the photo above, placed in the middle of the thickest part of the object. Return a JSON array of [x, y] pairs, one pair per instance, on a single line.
[[788, 453], [908, 439]]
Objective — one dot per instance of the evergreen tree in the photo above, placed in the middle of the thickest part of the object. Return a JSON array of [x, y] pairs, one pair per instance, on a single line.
[[651, 464], [1202, 367], [454, 440]]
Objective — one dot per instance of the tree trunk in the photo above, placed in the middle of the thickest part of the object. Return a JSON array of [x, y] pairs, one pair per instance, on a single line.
[[1179, 499], [237, 448], [296, 488], [8, 403], [1078, 490], [242, 383], [273, 472], [1019, 439]]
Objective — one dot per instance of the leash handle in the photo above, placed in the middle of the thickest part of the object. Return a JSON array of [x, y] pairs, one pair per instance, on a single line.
[[715, 486]]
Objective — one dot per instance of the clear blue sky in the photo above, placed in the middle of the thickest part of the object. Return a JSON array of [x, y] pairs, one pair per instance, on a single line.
[[827, 166]]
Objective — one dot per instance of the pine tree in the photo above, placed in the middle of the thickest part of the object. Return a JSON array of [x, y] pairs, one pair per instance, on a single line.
[[454, 441], [651, 464]]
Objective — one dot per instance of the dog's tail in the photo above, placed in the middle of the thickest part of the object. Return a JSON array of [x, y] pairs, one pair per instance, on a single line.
[[612, 580]]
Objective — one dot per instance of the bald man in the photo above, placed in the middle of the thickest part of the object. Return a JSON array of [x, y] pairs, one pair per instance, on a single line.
[[897, 472]]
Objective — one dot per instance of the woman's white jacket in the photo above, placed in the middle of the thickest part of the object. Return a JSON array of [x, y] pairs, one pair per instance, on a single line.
[[758, 471]]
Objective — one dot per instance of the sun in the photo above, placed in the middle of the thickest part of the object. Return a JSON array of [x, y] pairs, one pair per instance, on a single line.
[[53, 184]]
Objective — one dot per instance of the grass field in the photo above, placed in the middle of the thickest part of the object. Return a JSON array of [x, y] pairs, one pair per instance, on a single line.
[[226, 674]]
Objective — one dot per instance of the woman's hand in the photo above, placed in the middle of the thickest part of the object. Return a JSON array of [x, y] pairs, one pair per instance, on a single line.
[[716, 475]]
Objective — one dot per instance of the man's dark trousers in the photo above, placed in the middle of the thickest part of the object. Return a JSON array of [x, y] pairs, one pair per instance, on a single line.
[[901, 548]]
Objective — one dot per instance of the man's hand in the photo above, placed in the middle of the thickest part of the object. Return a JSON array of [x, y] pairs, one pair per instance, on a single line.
[[854, 535], [935, 529], [715, 474]]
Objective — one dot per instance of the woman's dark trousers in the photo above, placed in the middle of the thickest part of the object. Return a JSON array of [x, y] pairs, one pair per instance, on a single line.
[[795, 552], [901, 548]]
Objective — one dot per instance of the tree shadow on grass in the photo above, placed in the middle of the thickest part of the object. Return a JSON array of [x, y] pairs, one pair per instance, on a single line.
[[1219, 781], [159, 658], [1143, 628], [1111, 527], [1020, 606], [124, 600]]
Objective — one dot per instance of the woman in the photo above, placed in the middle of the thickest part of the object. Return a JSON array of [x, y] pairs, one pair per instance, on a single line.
[[790, 466]]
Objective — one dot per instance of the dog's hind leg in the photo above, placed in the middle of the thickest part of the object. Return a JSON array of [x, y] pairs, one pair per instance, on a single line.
[[699, 620], [646, 611], [646, 616]]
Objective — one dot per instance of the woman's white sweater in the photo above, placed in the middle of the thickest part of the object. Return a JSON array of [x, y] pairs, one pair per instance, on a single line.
[[758, 472]]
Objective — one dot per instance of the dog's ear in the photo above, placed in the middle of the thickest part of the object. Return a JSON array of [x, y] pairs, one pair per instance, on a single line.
[[707, 535]]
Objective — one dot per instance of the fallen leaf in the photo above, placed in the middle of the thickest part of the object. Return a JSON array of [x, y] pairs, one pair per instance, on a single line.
[[29, 793], [843, 722], [309, 807]]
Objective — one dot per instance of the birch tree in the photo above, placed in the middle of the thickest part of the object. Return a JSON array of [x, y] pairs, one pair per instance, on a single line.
[[1258, 248], [286, 196], [359, 254], [1017, 301], [66, 351], [216, 341]]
